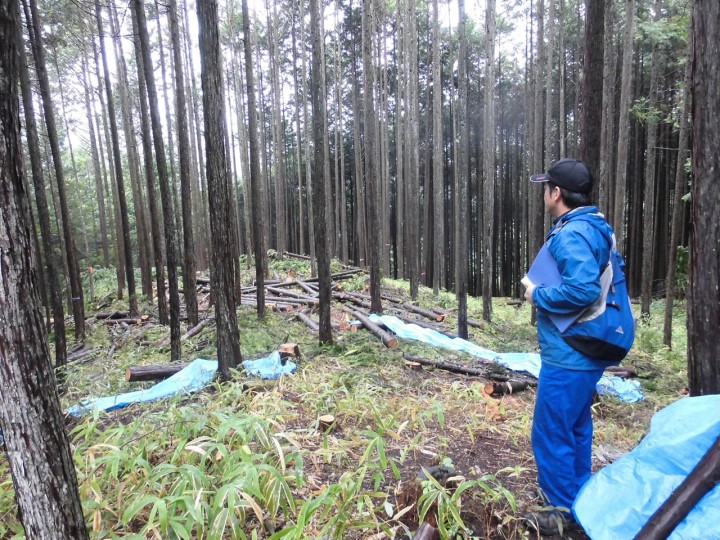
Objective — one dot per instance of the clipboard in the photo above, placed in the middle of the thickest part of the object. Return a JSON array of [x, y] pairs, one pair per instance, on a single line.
[[544, 271]]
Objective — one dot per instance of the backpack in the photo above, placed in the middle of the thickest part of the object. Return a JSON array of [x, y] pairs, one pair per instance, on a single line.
[[605, 330]]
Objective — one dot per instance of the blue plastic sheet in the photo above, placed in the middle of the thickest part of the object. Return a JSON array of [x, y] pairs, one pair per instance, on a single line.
[[619, 500], [628, 391], [195, 376], [270, 367], [190, 379]]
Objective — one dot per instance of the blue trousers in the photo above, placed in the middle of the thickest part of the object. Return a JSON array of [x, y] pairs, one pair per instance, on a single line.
[[562, 431]]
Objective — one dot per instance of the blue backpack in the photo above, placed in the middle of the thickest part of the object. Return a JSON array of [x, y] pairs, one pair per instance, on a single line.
[[605, 330]]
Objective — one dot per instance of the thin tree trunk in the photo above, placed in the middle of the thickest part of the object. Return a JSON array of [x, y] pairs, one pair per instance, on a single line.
[[438, 176], [461, 260], [50, 259], [256, 181], [320, 181], [680, 189], [78, 303], [623, 136], [164, 180], [648, 236], [119, 180], [185, 172], [489, 160], [371, 154]]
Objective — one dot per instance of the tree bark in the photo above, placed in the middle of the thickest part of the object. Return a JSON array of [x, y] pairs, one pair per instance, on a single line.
[[222, 262], [461, 171], [592, 85], [38, 451], [320, 181], [704, 289]]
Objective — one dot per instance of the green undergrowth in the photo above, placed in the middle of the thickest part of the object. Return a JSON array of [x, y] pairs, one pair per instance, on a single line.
[[252, 459]]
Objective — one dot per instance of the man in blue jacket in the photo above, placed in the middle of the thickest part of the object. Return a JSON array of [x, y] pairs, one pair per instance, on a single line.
[[580, 242]]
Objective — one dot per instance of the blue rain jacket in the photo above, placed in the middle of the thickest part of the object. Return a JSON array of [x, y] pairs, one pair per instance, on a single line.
[[580, 242]]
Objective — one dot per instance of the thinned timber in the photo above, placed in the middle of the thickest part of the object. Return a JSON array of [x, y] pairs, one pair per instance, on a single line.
[[703, 478], [475, 371], [388, 340], [153, 372], [312, 324], [498, 389]]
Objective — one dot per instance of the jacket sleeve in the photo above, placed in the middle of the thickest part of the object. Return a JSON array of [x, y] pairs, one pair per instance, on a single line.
[[577, 262]]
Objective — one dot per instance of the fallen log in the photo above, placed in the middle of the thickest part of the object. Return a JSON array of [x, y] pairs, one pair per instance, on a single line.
[[130, 320], [112, 315], [488, 371], [439, 317], [310, 323], [153, 372], [195, 330], [388, 340], [499, 389], [703, 478], [296, 256]]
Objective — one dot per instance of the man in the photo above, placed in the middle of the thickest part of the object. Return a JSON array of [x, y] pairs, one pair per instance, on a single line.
[[580, 242]]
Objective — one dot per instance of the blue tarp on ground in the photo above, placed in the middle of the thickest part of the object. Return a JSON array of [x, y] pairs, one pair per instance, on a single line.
[[195, 376], [628, 391], [621, 498]]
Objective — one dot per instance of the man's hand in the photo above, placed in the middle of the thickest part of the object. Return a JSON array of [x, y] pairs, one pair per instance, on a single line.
[[528, 294]]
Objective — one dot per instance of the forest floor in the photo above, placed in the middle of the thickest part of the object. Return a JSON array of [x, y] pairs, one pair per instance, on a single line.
[[249, 458]]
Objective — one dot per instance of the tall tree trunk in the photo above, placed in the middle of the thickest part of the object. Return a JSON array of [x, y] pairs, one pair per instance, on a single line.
[[605, 177], [190, 292], [438, 158], [320, 181], [76, 291], [592, 85], [256, 185], [165, 188], [648, 236], [623, 137], [461, 171], [38, 451], [156, 219], [117, 160], [412, 151], [489, 161], [704, 290], [141, 228], [97, 172], [371, 154], [222, 262], [680, 189], [50, 259]]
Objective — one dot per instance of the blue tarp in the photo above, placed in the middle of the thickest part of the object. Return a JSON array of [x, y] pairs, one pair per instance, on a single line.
[[195, 376], [270, 367], [619, 500], [628, 391]]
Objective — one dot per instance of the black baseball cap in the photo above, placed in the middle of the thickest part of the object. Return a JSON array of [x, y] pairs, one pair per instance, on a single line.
[[567, 173]]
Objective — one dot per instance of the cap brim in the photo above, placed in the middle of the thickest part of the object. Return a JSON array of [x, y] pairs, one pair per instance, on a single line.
[[544, 177]]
